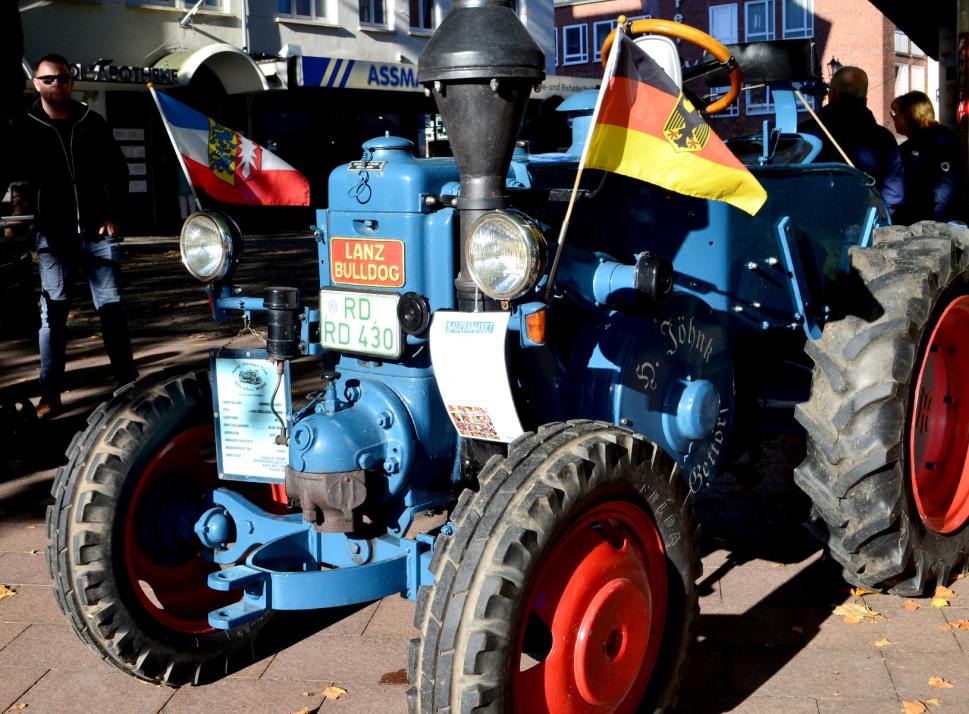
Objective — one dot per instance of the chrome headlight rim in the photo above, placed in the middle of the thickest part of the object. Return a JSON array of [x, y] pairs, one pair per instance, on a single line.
[[230, 239], [535, 245]]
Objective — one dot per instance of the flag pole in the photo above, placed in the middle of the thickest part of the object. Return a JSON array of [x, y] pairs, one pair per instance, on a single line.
[[609, 71], [178, 154]]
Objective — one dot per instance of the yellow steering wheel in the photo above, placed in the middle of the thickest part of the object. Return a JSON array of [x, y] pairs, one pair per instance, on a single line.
[[677, 30]]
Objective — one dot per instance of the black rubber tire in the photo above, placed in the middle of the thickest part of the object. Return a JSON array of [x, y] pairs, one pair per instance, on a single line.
[[857, 418], [84, 526], [461, 660]]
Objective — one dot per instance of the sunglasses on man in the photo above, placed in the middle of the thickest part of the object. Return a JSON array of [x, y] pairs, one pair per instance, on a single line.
[[48, 79]]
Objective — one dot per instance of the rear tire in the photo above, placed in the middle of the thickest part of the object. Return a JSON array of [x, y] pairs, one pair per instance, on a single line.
[[145, 458], [587, 500], [875, 435]]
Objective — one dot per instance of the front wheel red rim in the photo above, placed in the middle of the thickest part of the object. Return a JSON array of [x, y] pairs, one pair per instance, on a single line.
[[939, 432], [172, 590], [598, 603]]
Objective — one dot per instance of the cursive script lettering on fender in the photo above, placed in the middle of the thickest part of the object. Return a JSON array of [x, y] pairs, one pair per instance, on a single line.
[[684, 333]]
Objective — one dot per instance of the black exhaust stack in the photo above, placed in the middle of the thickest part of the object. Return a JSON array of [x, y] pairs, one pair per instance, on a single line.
[[480, 65]]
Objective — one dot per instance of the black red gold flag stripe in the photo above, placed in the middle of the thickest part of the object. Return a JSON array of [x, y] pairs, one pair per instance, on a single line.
[[645, 128]]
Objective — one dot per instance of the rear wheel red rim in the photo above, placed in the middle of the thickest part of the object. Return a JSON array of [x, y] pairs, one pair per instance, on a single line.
[[939, 431], [599, 600], [178, 477]]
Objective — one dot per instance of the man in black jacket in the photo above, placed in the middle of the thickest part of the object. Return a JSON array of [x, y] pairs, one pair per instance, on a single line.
[[79, 181], [870, 146]]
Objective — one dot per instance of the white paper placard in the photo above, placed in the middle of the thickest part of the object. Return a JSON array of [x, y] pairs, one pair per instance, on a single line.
[[133, 152], [247, 428], [129, 134], [468, 353]]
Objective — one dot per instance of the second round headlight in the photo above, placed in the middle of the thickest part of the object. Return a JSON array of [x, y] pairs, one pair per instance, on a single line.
[[505, 254], [209, 245]]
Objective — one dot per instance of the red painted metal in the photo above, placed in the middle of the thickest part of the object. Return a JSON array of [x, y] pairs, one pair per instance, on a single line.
[[939, 430], [602, 593], [179, 596]]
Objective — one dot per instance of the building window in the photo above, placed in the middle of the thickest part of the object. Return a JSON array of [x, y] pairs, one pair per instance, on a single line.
[[759, 101], [575, 44], [555, 35], [600, 31], [302, 9], [916, 77], [798, 18], [723, 23], [731, 111], [422, 14], [905, 46], [759, 20], [372, 12], [901, 79], [218, 5]]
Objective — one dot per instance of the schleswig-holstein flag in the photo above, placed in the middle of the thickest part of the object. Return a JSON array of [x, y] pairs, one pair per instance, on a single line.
[[226, 165], [645, 128]]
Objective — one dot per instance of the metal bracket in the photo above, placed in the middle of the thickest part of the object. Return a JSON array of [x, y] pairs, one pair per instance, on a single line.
[[797, 278]]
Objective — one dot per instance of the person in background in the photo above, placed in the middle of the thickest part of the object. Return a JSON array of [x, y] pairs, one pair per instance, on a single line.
[[79, 180], [870, 146], [934, 173]]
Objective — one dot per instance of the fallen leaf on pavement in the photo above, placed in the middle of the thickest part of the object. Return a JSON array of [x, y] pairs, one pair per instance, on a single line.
[[6, 592], [942, 591], [333, 692], [934, 702], [19, 705], [939, 602], [855, 612], [912, 605], [858, 592], [882, 643], [306, 710], [940, 683], [958, 625], [913, 706]]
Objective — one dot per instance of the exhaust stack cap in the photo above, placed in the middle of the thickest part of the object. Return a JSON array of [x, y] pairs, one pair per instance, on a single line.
[[481, 39]]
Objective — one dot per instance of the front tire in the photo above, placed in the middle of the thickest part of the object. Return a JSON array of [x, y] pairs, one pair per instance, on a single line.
[[888, 418], [126, 570], [567, 585]]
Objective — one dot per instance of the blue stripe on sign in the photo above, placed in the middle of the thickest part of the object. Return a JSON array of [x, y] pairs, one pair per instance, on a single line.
[[346, 74], [181, 115], [336, 70], [314, 69]]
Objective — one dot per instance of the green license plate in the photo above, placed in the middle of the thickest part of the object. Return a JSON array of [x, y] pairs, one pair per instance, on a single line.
[[360, 322]]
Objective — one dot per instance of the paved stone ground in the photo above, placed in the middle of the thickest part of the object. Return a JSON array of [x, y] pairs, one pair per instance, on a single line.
[[766, 639]]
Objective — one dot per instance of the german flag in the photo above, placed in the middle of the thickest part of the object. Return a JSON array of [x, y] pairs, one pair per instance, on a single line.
[[645, 128]]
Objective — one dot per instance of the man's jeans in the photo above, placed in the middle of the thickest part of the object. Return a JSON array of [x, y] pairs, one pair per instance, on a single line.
[[101, 262]]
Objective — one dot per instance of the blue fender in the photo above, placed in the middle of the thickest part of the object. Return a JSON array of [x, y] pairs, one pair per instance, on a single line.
[[666, 374]]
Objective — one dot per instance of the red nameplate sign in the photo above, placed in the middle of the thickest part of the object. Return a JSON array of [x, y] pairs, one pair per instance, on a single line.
[[366, 261]]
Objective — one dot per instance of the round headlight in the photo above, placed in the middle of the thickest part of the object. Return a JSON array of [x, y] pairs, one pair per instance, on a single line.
[[505, 254], [209, 245]]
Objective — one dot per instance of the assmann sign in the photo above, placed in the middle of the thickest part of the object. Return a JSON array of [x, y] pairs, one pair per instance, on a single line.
[[94, 72]]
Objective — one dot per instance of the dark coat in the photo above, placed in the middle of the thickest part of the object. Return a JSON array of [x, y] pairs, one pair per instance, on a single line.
[[934, 177], [77, 184], [871, 147]]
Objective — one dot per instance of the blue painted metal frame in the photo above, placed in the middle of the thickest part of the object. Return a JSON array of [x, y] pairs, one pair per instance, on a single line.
[[292, 567]]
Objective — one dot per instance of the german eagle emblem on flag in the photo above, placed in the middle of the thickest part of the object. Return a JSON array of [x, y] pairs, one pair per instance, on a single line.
[[643, 127], [685, 129]]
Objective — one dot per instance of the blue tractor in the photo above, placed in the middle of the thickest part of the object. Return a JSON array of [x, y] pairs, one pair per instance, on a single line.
[[559, 423]]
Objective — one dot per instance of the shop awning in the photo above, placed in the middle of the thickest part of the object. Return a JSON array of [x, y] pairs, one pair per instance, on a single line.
[[237, 71]]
